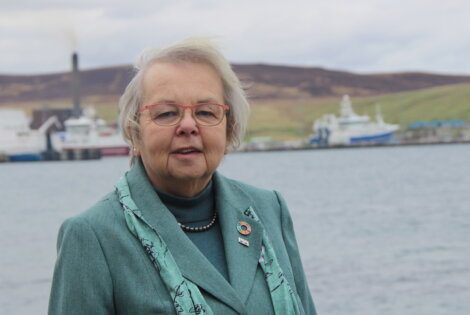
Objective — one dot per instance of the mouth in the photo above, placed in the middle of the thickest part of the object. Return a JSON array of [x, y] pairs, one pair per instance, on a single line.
[[186, 151]]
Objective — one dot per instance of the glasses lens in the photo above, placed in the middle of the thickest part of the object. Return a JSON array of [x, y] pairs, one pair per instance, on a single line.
[[208, 114], [165, 114]]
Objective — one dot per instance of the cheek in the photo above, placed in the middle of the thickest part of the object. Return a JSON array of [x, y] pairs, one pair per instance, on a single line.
[[216, 143], [155, 142]]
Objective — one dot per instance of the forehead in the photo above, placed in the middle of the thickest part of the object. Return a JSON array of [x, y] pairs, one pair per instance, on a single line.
[[182, 81]]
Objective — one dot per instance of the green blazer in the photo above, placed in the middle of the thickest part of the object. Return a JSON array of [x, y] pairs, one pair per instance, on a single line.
[[102, 268]]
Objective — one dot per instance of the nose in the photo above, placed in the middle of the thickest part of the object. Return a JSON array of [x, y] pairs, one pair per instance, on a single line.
[[187, 125]]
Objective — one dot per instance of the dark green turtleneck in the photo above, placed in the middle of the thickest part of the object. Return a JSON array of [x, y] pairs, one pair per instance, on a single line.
[[199, 211]]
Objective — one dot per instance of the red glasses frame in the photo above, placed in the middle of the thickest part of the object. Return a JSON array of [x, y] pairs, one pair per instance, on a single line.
[[225, 107]]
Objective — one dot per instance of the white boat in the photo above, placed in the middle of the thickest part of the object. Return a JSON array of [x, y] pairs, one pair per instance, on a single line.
[[20, 143], [88, 134], [351, 129]]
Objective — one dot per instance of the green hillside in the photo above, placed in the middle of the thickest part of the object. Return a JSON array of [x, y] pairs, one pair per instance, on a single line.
[[287, 119], [292, 118]]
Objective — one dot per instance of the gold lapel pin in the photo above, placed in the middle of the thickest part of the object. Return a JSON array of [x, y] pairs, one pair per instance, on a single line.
[[244, 228], [243, 241]]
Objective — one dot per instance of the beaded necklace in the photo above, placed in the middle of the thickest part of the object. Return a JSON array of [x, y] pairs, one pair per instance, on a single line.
[[199, 228]]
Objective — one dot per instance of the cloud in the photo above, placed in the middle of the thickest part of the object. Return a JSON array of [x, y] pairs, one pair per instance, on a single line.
[[367, 36]]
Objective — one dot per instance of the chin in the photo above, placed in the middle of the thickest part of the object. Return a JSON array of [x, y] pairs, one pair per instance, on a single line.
[[192, 175]]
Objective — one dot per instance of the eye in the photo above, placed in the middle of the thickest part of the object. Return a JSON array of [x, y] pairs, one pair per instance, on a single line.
[[204, 113], [164, 112], [206, 110]]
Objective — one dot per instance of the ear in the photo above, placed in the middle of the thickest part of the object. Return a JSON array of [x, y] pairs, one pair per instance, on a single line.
[[134, 140], [135, 151], [228, 140]]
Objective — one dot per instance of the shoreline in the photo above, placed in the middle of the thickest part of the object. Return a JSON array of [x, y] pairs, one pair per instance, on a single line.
[[359, 146]]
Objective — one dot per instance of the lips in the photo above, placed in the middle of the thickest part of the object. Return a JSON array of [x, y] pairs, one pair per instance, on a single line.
[[186, 150]]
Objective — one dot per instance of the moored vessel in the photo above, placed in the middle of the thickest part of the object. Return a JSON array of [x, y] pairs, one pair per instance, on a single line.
[[20, 143], [89, 135], [351, 129]]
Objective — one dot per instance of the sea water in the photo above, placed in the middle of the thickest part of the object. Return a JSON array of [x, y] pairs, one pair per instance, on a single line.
[[380, 230]]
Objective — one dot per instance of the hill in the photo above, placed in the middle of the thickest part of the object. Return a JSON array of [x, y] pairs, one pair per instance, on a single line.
[[285, 100], [263, 81], [321, 82]]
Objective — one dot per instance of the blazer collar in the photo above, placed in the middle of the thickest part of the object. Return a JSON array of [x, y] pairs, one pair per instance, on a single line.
[[242, 260], [230, 203]]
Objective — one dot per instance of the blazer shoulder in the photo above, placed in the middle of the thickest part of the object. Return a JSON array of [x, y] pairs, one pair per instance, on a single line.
[[250, 190], [266, 202], [103, 213]]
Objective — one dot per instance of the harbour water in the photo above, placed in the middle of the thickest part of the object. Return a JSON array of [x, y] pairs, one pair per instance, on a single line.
[[381, 230]]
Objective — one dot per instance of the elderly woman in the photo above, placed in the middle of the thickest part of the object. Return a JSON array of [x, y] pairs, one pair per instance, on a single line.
[[175, 236]]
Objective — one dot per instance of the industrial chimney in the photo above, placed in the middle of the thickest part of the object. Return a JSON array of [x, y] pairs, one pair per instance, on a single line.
[[77, 111]]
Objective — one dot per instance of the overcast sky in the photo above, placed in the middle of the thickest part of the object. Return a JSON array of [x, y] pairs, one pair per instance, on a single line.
[[364, 36]]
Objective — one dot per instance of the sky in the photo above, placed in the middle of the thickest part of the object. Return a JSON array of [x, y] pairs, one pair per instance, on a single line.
[[362, 36]]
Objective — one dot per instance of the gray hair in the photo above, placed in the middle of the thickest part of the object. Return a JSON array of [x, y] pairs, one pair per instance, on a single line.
[[192, 50]]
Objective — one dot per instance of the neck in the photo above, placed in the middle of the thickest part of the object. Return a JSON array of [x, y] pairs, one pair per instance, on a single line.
[[181, 188]]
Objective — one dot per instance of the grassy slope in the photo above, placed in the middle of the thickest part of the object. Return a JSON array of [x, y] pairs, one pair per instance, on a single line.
[[292, 119], [285, 119]]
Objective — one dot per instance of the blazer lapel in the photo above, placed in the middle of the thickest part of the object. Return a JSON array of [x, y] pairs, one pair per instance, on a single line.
[[242, 260], [191, 262]]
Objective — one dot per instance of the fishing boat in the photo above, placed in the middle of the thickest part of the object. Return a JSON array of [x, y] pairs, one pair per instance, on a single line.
[[351, 129], [20, 143], [89, 137]]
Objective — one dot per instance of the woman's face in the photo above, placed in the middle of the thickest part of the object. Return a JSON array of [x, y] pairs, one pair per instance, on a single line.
[[181, 159]]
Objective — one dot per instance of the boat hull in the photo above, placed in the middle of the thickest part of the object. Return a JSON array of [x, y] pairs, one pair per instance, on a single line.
[[381, 138], [115, 151], [25, 157]]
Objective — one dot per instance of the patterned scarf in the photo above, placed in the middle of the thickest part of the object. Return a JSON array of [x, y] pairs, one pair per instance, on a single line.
[[186, 296]]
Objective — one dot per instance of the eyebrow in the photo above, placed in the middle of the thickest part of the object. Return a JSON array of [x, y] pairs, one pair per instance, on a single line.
[[201, 101], [165, 101], [207, 100]]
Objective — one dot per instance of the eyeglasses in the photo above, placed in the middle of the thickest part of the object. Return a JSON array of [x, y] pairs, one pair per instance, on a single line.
[[170, 114]]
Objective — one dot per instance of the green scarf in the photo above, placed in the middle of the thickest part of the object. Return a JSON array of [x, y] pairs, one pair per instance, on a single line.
[[186, 296]]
